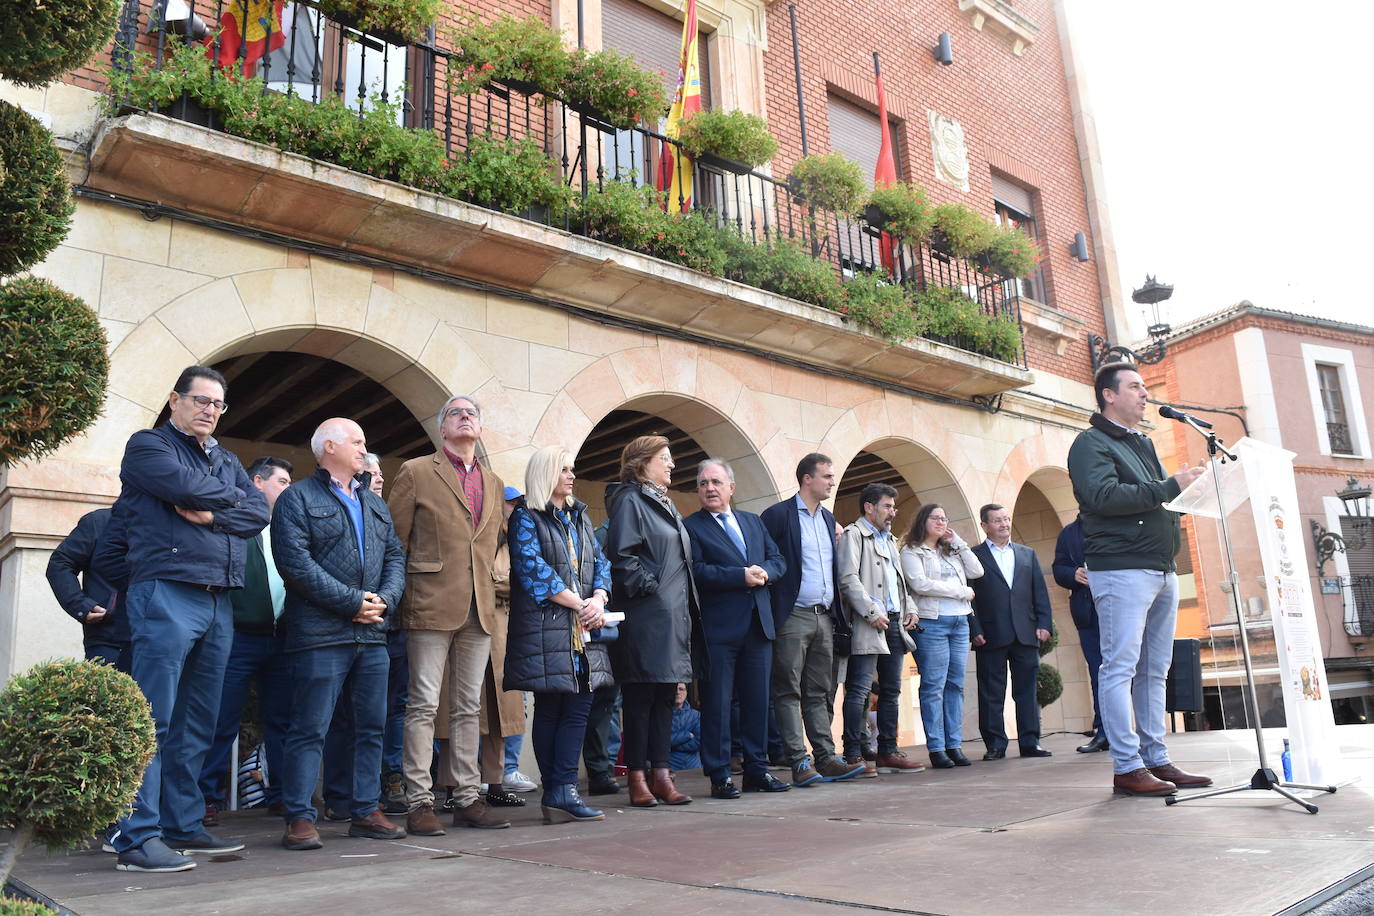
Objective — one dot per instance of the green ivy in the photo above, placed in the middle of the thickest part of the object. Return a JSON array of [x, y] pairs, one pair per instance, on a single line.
[[39, 41], [52, 380], [35, 197]]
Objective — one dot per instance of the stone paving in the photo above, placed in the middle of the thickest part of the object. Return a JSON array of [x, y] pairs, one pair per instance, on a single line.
[[1012, 836]]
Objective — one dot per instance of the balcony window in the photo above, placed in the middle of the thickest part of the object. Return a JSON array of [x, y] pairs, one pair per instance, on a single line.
[[1334, 390], [1014, 206]]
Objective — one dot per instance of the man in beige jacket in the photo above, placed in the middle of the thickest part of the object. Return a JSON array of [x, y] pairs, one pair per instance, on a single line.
[[447, 510]]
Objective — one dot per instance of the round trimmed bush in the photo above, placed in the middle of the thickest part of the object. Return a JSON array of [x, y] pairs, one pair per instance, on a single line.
[[41, 41], [1050, 644], [75, 737], [1049, 685], [12, 906], [52, 381], [35, 198]]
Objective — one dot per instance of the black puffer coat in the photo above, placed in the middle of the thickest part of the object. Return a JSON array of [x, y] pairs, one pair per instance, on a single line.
[[651, 569], [539, 653]]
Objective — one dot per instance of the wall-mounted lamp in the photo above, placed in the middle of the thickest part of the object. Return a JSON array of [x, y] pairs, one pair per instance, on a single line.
[[1104, 351], [1079, 248], [1327, 544], [944, 51]]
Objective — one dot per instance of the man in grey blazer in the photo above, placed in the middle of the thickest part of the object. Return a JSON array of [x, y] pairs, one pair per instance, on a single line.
[[1011, 618]]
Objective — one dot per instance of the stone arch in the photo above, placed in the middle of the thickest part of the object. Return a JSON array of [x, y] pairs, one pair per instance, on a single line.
[[691, 387], [1040, 459], [347, 313]]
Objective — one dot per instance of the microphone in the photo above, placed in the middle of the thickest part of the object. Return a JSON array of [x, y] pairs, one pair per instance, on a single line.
[[1170, 413]]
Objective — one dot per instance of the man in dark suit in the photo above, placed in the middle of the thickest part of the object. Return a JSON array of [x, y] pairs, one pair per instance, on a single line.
[[733, 560], [808, 619], [1071, 572], [1011, 618], [93, 598]]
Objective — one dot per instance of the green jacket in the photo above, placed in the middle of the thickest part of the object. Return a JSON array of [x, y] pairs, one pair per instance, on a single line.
[[1120, 486], [253, 603]]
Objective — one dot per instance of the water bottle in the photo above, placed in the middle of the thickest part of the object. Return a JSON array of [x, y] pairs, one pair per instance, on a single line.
[[1286, 758]]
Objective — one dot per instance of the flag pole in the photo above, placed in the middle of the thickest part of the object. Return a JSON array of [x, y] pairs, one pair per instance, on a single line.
[[796, 67]]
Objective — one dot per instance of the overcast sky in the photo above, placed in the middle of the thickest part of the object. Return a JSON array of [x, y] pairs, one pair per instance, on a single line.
[[1235, 140]]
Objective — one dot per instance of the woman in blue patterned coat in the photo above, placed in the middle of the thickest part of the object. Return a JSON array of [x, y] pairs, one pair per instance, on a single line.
[[560, 581]]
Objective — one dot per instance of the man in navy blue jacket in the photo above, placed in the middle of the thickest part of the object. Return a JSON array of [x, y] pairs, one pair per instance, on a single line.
[[1071, 572], [1011, 618], [188, 509], [93, 598], [807, 618], [336, 548], [733, 560]]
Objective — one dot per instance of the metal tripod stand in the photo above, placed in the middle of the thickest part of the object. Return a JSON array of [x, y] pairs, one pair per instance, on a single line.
[[1264, 778]]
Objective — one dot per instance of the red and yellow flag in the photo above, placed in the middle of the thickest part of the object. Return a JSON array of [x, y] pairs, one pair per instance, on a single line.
[[251, 28], [885, 174], [674, 166]]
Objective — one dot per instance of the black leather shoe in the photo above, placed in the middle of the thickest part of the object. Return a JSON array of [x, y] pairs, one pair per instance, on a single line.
[[726, 788], [601, 784], [996, 753], [1099, 743], [1036, 751], [765, 783], [500, 798], [957, 755], [940, 760]]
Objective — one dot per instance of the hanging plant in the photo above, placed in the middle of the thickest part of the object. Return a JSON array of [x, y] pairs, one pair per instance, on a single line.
[[611, 86], [41, 41], [828, 181], [525, 54], [735, 137], [1011, 253], [35, 196], [52, 381], [960, 231], [510, 175], [401, 21], [900, 209]]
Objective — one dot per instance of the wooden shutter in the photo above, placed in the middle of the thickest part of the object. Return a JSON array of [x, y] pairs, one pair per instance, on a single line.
[[655, 39]]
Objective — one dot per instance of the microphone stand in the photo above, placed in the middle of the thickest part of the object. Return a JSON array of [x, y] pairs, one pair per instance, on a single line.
[[1264, 778]]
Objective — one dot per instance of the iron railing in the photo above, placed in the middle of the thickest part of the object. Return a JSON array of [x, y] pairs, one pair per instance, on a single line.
[[1362, 591], [313, 56], [1339, 436]]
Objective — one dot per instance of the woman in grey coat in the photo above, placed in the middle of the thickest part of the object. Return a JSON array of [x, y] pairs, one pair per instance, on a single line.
[[651, 574]]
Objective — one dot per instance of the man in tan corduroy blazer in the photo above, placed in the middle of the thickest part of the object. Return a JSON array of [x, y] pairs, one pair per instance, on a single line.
[[447, 510]]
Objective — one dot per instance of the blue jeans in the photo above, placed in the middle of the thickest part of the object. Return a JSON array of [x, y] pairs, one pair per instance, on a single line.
[[858, 682], [253, 656], [181, 638], [941, 656], [119, 658], [350, 675], [513, 744], [398, 678], [1090, 639], [1136, 610], [558, 730]]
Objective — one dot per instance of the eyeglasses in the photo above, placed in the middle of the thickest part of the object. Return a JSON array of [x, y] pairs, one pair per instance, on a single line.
[[462, 412], [203, 402]]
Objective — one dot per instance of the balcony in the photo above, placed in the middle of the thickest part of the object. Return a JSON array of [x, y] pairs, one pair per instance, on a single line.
[[182, 160], [1339, 436]]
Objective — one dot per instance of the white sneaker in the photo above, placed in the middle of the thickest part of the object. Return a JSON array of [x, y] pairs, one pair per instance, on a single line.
[[107, 841], [515, 781]]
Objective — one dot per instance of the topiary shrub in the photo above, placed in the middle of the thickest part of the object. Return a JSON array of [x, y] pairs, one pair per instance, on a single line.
[[41, 41], [11, 906], [52, 381], [75, 737], [35, 198], [1050, 644], [1049, 685]]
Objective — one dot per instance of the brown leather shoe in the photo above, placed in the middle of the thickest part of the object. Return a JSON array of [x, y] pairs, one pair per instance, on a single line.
[[1140, 782], [869, 770], [640, 796], [422, 822], [211, 818], [479, 815], [661, 784], [375, 827], [897, 762], [1179, 778], [301, 834]]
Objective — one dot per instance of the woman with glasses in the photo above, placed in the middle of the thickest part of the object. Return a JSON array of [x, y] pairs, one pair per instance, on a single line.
[[651, 568], [559, 584], [937, 564]]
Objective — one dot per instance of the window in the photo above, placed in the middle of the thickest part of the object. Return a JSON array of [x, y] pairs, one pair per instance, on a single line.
[[1334, 389], [319, 58], [856, 134], [1014, 205]]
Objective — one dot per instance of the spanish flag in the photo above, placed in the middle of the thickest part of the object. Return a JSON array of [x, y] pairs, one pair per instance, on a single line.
[[675, 167], [251, 28]]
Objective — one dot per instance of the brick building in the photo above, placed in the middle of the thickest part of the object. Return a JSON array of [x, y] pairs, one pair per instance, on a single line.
[[319, 291], [1293, 381]]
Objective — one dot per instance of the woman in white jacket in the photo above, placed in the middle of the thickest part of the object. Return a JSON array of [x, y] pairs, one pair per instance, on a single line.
[[937, 564]]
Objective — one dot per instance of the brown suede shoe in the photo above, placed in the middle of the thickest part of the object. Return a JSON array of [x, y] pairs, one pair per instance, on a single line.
[[375, 827], [301, 834], [479, 815], [422, 822], [1179, 778], [1140, 782]]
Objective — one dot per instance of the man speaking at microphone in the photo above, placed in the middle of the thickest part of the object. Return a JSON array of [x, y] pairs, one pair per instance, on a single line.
[[1130, 543]]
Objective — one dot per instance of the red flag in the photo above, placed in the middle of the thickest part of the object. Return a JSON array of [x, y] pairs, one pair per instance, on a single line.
[[252, 27], [885, 174], [674, 169]]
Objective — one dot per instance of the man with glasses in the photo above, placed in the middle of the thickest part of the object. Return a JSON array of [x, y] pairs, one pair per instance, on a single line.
[[447, 509], [190, 510]]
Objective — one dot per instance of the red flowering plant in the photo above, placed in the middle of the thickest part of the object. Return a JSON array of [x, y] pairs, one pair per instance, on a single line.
[[1011, 253], [611, 86], [524, 53]]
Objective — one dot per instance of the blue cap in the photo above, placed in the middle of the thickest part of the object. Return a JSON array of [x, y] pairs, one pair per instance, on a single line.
[[512, 493]]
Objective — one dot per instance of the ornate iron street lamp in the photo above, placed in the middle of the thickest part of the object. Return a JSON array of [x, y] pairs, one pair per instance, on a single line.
[[1328, 543], [1104, 351]]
